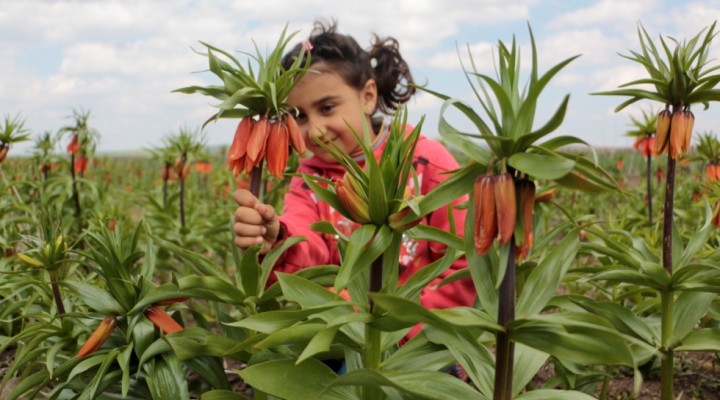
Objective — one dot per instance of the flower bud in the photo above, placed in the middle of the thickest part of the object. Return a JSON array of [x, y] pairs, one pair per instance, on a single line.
[[505, 206], [30, 260], [677, 133], [662, 130], [353, 199], [527, 200], [277, 149], [96, 340], [4, 148], [162, 320], [711, 173], [485, 218], [396, 219], [689, 123], [80, 164]]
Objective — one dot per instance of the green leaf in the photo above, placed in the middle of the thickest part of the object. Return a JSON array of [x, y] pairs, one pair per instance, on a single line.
[[704, 339], [688, 308], [211, 288], [166, 380], [547, 394], [366, 244], [300, 333], [419, 384], [623, 319], [412, 313], [572, 338], [321, 342], [284, 379], [271, 321], [541, 166], [249, 269], [222, 395], [95, 298], [544, 279], [197, 342]]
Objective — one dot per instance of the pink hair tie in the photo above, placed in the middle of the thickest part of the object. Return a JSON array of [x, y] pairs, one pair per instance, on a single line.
[[307, 45]]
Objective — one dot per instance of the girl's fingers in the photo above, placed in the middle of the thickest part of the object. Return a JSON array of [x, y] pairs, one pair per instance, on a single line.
[[245, 242], [246, 230], [244, 198]]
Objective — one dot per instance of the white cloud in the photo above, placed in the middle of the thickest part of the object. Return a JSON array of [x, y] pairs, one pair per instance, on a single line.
[[615, 12], [121, 59]]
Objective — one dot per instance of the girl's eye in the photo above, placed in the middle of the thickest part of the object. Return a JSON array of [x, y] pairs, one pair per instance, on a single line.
[[301, 117], [326, 108]]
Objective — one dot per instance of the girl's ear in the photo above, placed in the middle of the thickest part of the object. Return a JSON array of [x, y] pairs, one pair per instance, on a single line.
[[368, 97]]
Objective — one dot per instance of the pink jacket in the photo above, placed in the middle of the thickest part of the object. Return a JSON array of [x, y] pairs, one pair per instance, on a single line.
[[302, 208]]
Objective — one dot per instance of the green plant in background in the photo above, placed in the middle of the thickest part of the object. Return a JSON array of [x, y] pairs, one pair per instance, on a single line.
[[679, 77], [43, 154], [12, 131], [184, 145], [83, 142]]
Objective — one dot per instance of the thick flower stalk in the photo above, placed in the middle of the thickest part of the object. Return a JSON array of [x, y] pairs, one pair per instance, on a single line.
[[258, 97]]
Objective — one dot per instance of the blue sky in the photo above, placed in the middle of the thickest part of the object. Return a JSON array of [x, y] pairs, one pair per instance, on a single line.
[[121, 59]]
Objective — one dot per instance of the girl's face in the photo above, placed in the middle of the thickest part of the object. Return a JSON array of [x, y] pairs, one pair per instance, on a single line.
[[327, 105]]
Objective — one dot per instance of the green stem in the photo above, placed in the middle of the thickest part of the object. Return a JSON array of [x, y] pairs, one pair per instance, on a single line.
[[606, 384], [373, 342], [666, 330], [504, 347]]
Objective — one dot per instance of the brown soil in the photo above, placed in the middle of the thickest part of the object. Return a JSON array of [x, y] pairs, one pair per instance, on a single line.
[[697, 377]]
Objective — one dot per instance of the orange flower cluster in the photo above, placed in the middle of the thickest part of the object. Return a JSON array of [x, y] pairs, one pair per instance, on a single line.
[[646, 145], [203, 167], [80, 164], [182, 170], [74, 145], [496, 207], [271, 138], [674, 132], [716, 215], [712, 172], [4, 148]]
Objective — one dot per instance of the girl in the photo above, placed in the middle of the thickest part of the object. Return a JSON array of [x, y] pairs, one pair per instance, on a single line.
[[345, 85]]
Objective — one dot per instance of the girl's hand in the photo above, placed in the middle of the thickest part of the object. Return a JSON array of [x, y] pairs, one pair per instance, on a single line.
[[255, 222]]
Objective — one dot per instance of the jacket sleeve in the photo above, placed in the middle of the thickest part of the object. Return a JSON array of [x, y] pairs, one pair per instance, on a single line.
[[300, 210], [460, 292]]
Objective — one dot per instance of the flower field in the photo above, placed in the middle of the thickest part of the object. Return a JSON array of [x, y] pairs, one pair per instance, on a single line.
[[596, 270]]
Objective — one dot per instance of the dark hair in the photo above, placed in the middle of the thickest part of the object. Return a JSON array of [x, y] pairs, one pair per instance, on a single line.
[[382, 62]]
